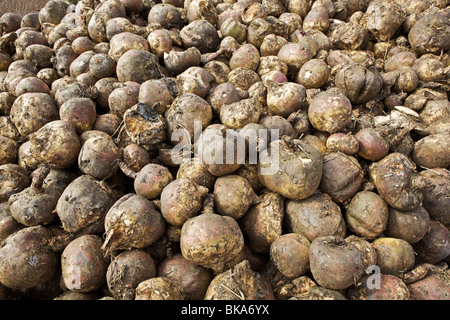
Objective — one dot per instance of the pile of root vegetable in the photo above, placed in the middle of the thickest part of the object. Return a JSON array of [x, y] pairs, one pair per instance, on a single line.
[[97, 202]]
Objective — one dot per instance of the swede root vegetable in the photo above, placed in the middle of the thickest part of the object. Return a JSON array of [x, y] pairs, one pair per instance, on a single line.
[[6, 102], [211, 149], [121, 43], [243, 78], [193, 280], [8, 129], [223, 94], [160, 42], [26, 38], [315, 216], [435, 244], [300, 169], [81, 64], [181, 199], [139, 66], [132, 6], [126, 271], [41, 55], [282, 125], [195, 80], [8, 150], [433, 39], [15, 76], [295, 57], [233, 196], [271, 45], [239, 283], [345, 143], [10, 22], [8, 224], [178, 61], [26, 158], [313, 74], [92, 134], [200, 34], [342, 176], [158, 288], [290, 253], [83, 264], [435, 191], [26, 260], [410, 226], [119, 25], [166, 15], [437, 157], [270, 64], [102, 65], [372, 145], [430, 284], [98, 157], [13, 179], [108, 123], [84, 204], [366, 84], [316, 142], [31, 84], [383, 18], [366, 248], [233, 28], [197, 172], [156, 93], [73, 90], [135, 157], [184, 111], [80, 112], [285, 98], [123, 98], [56, 144], [35, 204], [394, 256], [367, 214], [263, 222], [212, 241], [391, 288], [64, 57], [132, 222], [82, 44], [329, 112], [144, 125], [150, 181], [332, 255], [429, 69], [238, 114], [247, 56], [393, 177], [40, 108]]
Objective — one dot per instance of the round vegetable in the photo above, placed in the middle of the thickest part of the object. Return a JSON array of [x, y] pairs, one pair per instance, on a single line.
[[127, 270], [83, 264], [299, 168], [331, 255], [26, 259], [212, 241]]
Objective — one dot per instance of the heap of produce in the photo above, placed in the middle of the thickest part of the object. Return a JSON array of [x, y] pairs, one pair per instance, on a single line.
[[225, 149]]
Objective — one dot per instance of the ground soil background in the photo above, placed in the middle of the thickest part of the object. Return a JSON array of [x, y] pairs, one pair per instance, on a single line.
[[21, 7]]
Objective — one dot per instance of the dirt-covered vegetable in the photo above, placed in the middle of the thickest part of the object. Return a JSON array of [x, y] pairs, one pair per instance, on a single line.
[[206, 149]]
